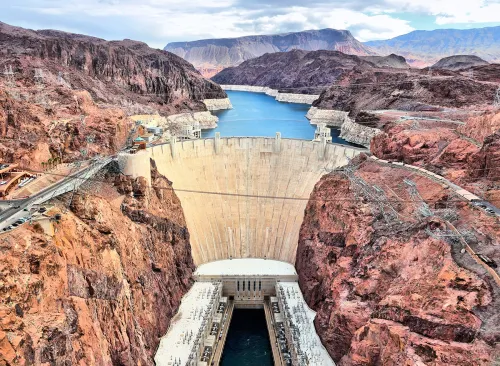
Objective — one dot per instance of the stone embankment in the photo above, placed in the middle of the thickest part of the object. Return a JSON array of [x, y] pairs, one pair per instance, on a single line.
[[280, 97], [357, 134], [218, 104], [349, 130], [206, 119]]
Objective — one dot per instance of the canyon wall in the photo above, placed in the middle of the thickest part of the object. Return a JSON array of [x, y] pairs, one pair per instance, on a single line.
[[387, 292], [116, 72], [102, 286]]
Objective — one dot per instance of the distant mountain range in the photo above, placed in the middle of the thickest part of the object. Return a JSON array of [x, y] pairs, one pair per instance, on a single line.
[[211, 55], [420, 48], [423, 48]]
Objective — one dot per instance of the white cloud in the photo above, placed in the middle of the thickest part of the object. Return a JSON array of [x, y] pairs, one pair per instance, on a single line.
[[452, 11], [160, 21]]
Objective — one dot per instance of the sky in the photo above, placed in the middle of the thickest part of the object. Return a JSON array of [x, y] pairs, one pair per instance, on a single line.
[[158, 22]]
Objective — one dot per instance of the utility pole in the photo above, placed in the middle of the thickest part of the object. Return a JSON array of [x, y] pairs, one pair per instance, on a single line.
[[496, 101]]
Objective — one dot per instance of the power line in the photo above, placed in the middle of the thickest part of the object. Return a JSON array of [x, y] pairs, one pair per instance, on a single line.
[[240, 194]]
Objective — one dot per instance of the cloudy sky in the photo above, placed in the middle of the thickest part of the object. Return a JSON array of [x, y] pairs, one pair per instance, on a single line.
[[158, 22]]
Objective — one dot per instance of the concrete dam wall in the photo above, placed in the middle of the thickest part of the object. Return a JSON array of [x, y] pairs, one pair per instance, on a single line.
[[245, 197]]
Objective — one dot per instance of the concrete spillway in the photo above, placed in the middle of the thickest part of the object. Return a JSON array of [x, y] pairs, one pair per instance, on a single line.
[[263, 186]]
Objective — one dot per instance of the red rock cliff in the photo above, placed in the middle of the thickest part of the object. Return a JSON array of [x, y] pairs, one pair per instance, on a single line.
[[102, 289], [388, 292]]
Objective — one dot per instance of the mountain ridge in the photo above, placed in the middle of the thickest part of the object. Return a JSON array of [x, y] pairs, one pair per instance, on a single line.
[[426, 47], [226, 52]]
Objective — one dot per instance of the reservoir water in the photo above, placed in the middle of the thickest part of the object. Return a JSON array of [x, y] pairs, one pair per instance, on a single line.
[[247, 342], [258, 114]]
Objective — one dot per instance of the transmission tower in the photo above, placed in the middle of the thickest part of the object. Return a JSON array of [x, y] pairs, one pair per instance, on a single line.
[[39, 81], [422, 207], [10, 81], [372, 193]]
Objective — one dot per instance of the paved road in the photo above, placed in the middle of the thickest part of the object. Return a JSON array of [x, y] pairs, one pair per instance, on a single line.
[[19, 208]]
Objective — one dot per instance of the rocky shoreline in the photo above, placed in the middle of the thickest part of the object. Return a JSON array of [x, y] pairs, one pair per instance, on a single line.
[[349, 130], [358, 134], [280, 97], [331, 117], [206, 120], [218, 104]]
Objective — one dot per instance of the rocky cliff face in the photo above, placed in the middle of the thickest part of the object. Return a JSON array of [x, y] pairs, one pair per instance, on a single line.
[[458, 62], [424, 48], [113, 72], [371, 89], [388, 292], [78, 107], [102, 288], [33, 134], [391, 61], [447, 151], [211, 54], [300, 71]]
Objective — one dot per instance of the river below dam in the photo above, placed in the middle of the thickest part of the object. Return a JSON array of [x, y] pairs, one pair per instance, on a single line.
[[247, 341], [258, 114]]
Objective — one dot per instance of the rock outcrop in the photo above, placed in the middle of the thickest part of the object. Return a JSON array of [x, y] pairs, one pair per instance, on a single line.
[[458, 62], [117, 72], [357, 134], [77, 106], [103, 288], [210, 54], [447, 151], [296, 71], [206, 120], [387, 292], [331, 117], [392, 61], [218, 104], [414, 90]]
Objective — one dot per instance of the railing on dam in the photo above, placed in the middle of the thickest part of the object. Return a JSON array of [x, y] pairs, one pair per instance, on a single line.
[[258, 187]]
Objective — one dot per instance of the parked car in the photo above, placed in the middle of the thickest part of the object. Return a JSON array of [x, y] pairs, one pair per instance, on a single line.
[[2, 182], [42, 209]]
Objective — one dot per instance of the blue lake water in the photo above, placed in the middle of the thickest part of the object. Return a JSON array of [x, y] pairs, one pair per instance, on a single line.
[[258, 114], [247, 342]]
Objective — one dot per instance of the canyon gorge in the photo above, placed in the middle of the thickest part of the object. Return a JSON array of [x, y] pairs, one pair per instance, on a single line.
[[375, 228]]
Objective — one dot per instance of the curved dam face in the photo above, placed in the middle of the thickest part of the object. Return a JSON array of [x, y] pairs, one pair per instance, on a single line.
[[245, 197]]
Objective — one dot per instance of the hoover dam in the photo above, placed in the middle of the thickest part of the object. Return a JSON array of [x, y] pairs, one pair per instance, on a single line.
[[243, 197]]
